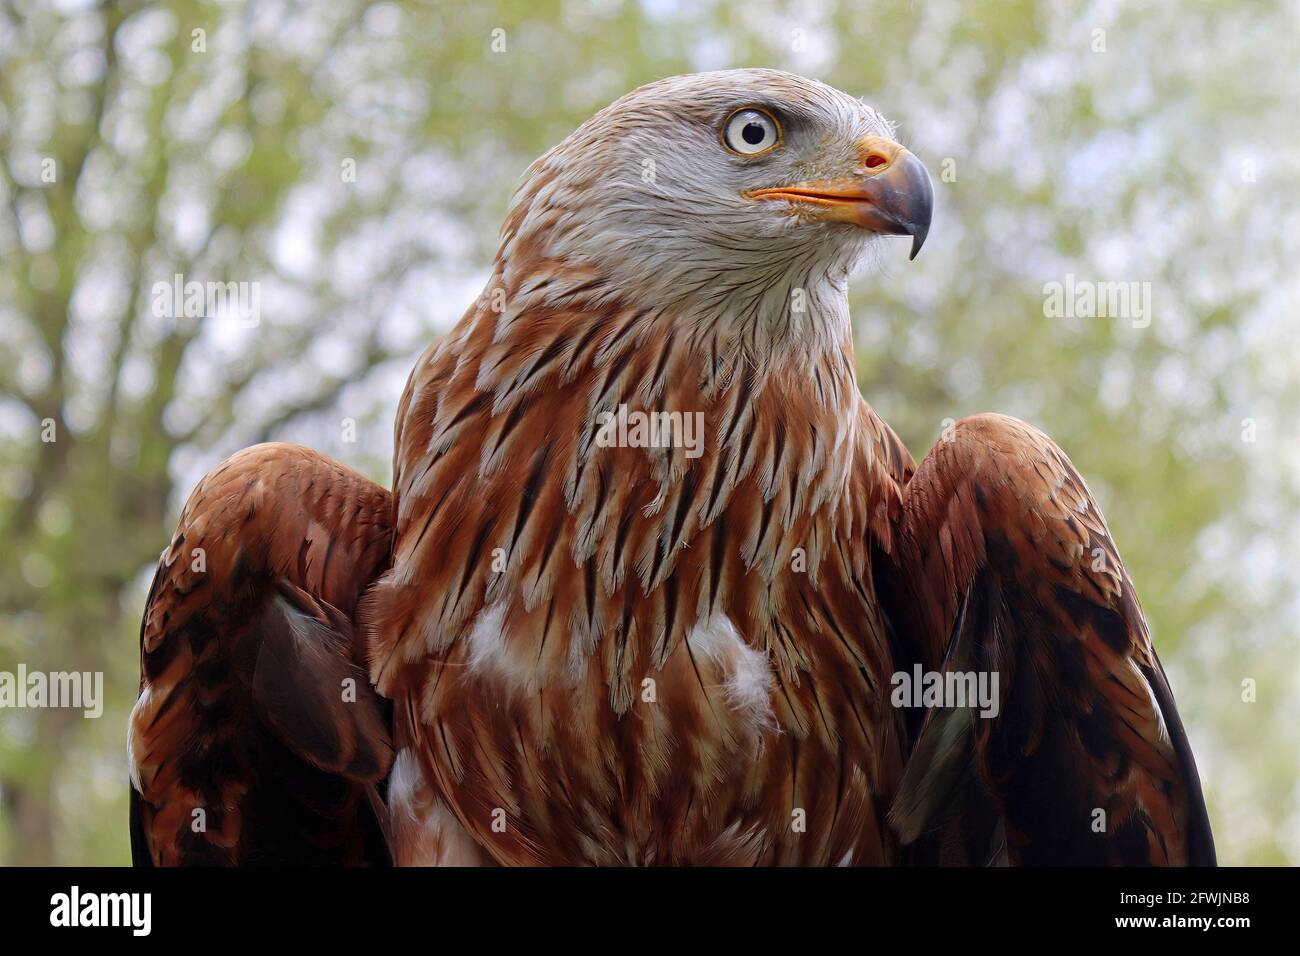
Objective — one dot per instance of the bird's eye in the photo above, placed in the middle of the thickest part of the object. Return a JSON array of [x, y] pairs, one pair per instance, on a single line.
[[750, 132]]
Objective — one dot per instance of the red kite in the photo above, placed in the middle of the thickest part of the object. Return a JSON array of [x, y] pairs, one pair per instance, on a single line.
[[654, 584]]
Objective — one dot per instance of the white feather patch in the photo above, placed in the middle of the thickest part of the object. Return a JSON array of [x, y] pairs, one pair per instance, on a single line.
[[490, 655], [425, 831], [747, 684]]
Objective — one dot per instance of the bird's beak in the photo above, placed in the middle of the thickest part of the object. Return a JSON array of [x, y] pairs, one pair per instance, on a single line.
[[891, 194]]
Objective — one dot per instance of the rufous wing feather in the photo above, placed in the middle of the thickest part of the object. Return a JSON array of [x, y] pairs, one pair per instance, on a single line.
[[257, 737], [1003, 565]]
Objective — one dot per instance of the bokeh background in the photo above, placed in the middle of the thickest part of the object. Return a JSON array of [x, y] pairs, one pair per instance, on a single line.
[[1135, 142]]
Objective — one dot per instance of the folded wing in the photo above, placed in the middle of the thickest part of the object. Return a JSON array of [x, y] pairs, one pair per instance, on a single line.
[[257, 737], [1002, 565]]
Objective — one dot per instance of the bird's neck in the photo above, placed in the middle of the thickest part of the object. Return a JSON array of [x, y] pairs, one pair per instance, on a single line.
[[793, 315], [769, 299], [564, 330]]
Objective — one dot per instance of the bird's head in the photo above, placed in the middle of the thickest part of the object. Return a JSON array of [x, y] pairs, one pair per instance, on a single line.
[[724, 193]]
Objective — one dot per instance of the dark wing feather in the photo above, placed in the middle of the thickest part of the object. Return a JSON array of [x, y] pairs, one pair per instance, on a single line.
[[257, 737], [1002, 563]]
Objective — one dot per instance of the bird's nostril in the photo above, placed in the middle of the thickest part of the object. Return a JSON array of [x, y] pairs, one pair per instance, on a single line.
[[876, 160]]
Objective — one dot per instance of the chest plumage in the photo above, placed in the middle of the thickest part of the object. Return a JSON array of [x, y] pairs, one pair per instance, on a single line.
[[627, 602]]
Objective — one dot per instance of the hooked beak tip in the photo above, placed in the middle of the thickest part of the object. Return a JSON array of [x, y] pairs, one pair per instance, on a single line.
[[914, 205], [918, 240]]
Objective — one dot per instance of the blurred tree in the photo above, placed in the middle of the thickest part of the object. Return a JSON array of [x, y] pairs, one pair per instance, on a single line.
[[354, 160]]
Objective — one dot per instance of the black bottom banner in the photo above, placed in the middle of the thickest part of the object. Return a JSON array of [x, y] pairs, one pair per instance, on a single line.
[[442, 906]]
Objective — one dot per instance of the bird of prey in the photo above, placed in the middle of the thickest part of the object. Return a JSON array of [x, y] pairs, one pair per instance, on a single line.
[[652, 574]]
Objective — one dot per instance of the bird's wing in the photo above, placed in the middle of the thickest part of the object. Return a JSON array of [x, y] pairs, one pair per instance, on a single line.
[[1002, 564], [257, 737]]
